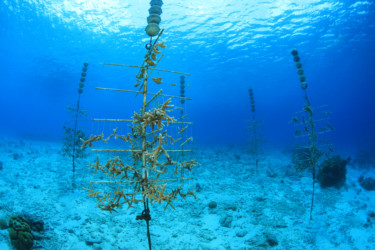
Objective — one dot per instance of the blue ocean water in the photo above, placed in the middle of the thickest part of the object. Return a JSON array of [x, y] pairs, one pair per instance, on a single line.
[[227, 47]]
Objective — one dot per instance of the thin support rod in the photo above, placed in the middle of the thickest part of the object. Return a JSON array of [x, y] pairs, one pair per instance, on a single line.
[[155, 131], [134, 66], [157, 38], [146, 211], [134, 150], [187, 140], [128, 120], [179, 150], [112, 120], [158, 93], [159, 180], [114, 150], [147, 75], [141, 92], [182, 123]]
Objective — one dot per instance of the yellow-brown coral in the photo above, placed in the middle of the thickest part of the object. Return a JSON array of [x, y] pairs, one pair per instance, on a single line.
[[150, 62], [157, 80], [156, 50], [162, 45], [140, 173]]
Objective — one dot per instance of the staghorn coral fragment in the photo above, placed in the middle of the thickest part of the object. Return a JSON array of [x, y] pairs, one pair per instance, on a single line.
[[150, 62], [190, 192], [187, 140], [182, 130], [161, 193], [157, 80], [154, 117], [115, 133], [141, 73], [91, 139], [178, 166], [173, 141], [166, 105], [92, 193], [108, 207], [109, 137], [189, 165], [137, 83], [162, 45], [96, 166], [169, 203], [158, 148], [156, 50]]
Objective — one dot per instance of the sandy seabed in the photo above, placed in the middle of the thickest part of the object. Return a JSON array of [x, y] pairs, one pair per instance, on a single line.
[[264, 209]]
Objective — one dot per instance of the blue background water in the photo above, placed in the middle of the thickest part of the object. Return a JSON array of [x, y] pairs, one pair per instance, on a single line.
[[226, 46]]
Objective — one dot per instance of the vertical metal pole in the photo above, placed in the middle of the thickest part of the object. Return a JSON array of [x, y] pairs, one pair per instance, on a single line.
[[74, 142], [144, 127], [144, 169]]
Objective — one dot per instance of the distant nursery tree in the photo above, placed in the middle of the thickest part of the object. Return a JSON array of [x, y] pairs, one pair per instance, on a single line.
[[72, 136], [309, 154], [256, 137], [72, 144]]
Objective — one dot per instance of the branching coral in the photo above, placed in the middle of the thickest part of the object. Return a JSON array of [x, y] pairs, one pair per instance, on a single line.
[[154, 117], [126, 174], [142, 177]]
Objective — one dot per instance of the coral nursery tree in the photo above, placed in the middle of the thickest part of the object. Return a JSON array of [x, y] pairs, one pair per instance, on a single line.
[[71, 137], [310, 123], [148, 167], [256, 137]]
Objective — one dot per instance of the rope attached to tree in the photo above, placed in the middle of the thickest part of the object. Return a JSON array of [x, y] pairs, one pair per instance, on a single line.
[[147, 217]]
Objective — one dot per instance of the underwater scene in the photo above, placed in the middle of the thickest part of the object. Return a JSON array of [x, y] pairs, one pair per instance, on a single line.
[[151, 124]]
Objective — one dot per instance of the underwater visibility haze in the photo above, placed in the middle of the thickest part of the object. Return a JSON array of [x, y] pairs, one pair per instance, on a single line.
[[257, 84]]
